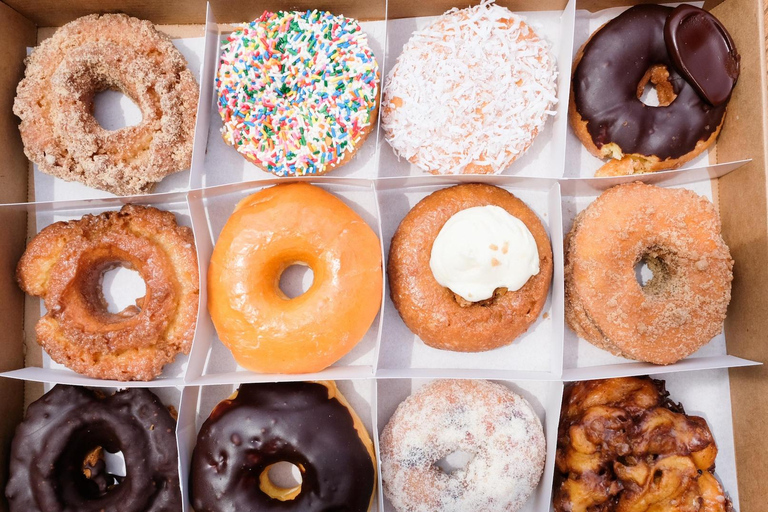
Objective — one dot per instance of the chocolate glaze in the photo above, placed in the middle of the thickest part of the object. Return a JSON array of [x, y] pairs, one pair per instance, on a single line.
[[269, 423], [605, 89], [703, 52], [67, 423]]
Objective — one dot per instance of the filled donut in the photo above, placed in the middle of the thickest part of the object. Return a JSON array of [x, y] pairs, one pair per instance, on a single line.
[[64, 265], [494, 425], [297, 91], [677, 234], [623, 445], [57, 454], [676, 50], [469, 268], [469, 93], [307, 424], [269, 231], [55, 104]]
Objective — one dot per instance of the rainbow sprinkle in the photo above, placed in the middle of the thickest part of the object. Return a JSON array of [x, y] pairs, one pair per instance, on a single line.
[[296, 90]]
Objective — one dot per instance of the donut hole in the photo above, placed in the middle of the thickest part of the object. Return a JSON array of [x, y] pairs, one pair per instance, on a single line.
[[113, 110], [103, 468], [296, 280], [652, 272], [454, 461], [122, 289], [281, 481], [655, 89]]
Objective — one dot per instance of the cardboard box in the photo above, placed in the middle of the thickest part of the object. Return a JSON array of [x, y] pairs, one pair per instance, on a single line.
[[554, 179]]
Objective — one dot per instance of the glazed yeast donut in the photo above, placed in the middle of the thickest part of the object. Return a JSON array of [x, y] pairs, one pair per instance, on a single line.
[[298, 91], [268, 232], [495, 426], [308, 424], [55, 104], [470, 92], [57, 453], [614, 66], [64, 265], [469, 268], [677, 234]]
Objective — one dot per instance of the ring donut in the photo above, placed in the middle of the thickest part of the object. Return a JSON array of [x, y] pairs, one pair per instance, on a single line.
[[64, 265], [270, 231], [52, 467], [677, 233], [432, 311], [55, 104]]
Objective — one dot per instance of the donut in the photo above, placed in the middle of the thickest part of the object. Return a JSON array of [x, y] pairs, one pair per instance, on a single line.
[[677, 234], [269, 231], [308, 424], [55, 104], [504, 234], [470, 92], [64, 265], [623, 445], [494, 425], [51, 466], [614, 66], [297, 91]]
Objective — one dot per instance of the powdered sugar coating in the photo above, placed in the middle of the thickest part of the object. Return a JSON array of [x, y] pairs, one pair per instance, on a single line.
[[486, 420], [470, 92]]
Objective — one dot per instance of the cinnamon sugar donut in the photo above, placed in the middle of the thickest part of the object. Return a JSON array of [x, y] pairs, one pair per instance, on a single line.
[[677, 234], [492, 424], [469, 93], [440, 316], [64, 265], [55, 104]]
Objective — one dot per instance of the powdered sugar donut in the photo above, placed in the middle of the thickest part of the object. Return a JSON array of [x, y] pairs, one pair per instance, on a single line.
[[470, 92], [495, 426]]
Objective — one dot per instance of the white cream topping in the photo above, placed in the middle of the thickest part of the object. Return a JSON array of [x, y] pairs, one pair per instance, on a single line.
[[481, 249]]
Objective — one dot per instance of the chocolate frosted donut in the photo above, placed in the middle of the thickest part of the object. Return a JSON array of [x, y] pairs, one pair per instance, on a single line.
[[308, 424], [611, 71], [51, 469]]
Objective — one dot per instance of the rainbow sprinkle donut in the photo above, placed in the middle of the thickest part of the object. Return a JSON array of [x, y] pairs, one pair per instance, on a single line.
[[297, 91]]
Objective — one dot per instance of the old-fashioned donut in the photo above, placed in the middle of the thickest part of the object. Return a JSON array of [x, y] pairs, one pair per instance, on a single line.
[[268, 232], [308, 424], [677, 233], [495, 426], [64, 265], [51, 468], [55, 104], [610, 72], [434, 312]]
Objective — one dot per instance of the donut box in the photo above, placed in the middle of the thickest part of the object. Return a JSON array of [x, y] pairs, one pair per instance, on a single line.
[[723, 382]]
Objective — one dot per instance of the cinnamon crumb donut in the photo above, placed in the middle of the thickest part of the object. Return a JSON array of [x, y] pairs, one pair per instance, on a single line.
[[469, 93], [55, 104], [677, 234], [440, 316], [495, 426], [64, 265]]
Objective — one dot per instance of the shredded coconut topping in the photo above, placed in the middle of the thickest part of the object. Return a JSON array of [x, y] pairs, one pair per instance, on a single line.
[[470, 92]]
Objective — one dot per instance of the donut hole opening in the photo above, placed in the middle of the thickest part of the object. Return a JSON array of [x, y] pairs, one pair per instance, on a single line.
[[655, 89], [103, 469], [123, 289], [454, 461], [296, 280], [281, 481], [114, 110], [652, 273]]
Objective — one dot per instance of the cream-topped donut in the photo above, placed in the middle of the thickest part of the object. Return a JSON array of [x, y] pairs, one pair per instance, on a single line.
[[481, 249], [469, 93], [496, 427]]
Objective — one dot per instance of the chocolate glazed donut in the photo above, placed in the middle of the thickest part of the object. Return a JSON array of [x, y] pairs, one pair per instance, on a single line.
[[292, 422], [613, 66], [48, 456]]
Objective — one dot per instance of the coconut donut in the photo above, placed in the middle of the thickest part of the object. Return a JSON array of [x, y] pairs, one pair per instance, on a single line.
[[470, 92], [492, 424], [55, 104], [677, 233]]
